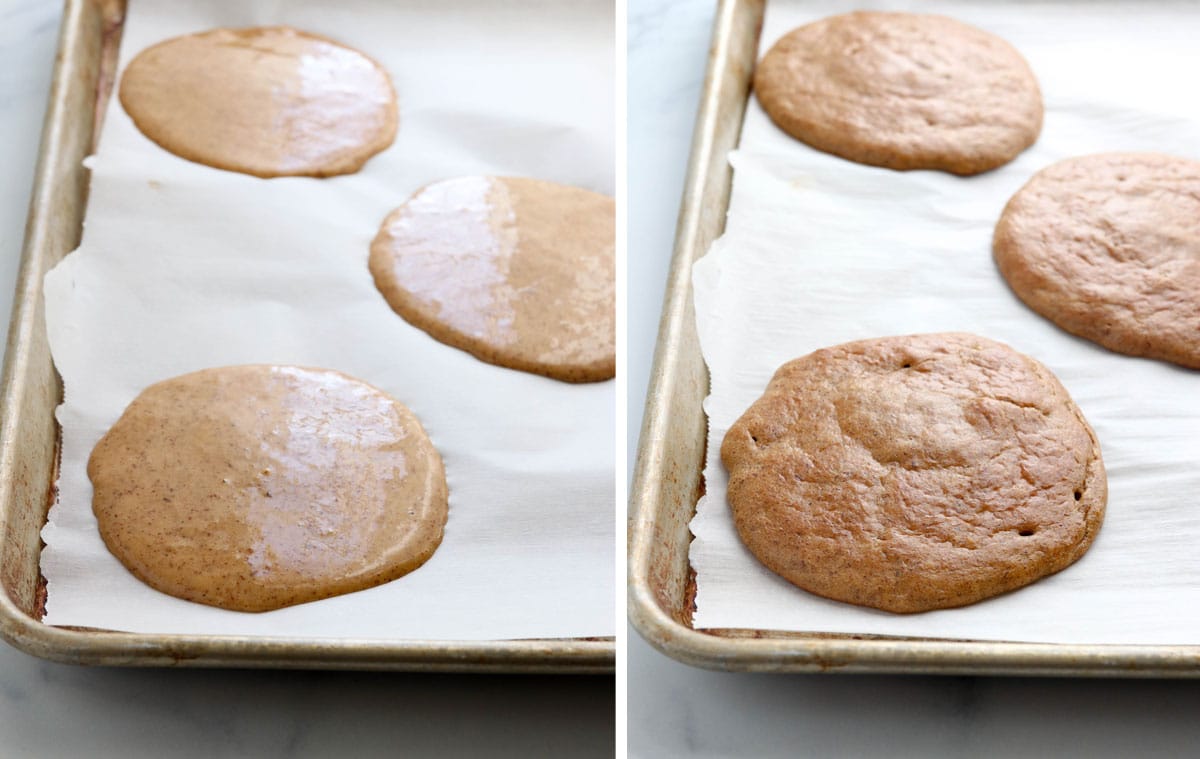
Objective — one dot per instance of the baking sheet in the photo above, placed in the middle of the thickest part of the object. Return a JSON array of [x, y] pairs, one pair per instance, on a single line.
[[818, 251], [183, 267]]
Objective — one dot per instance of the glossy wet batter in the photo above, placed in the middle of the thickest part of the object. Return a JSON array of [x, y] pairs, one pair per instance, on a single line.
[[257, 487], [268, 101], [518, 272]]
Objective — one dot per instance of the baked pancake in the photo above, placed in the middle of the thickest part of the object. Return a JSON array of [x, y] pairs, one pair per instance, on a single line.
[[914, 473], [1107, 247], [902, 91]]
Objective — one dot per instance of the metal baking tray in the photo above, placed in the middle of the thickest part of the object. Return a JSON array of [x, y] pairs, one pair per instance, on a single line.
[[667, 479], [29, 436]]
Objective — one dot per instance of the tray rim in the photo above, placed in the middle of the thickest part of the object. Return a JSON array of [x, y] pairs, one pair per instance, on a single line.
[[86, 646], [780, 651]]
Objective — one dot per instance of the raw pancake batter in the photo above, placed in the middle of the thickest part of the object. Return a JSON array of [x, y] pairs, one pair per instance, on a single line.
[[915, 473], [257, 487], [518, 272], [269, 101]]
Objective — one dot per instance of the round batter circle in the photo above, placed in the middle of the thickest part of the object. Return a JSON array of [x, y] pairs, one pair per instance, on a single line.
[[517, 272], [252, 488], [915, 473], [902, 91], [265, 101], [1107, 247]]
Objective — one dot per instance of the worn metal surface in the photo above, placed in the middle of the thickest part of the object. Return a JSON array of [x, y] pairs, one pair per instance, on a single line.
[[31, 390], [667, 478]]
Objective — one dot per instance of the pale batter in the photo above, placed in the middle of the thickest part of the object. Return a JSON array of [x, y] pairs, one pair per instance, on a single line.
[[257, 487], [518, 272], [269, 101]]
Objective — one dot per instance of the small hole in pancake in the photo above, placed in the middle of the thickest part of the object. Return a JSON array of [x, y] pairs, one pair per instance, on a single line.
[[906, 366], [754, 438], [1026, 532], [1078, 494]]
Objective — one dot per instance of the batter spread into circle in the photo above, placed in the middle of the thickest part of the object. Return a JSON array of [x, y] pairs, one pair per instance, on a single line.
[[517, 272], [267, 101], [257, 487], [915, 473]]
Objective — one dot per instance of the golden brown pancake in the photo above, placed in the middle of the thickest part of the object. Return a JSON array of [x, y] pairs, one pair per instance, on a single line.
[[1107, 247], [903, 91], [915, 473]]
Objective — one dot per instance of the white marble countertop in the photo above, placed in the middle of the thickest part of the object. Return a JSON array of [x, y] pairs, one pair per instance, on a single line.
[[675, 710], [51, 710]]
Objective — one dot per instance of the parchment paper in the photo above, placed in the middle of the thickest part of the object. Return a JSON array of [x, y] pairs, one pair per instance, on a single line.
[[184, 267], [819, 251]]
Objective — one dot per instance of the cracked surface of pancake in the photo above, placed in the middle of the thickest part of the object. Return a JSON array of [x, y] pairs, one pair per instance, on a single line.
[[902, 91], [915, 473], [1107, 247]]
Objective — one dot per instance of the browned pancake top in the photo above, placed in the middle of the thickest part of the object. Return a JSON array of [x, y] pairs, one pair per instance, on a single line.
[[915, 473], [1107, 246], [902, 90]]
